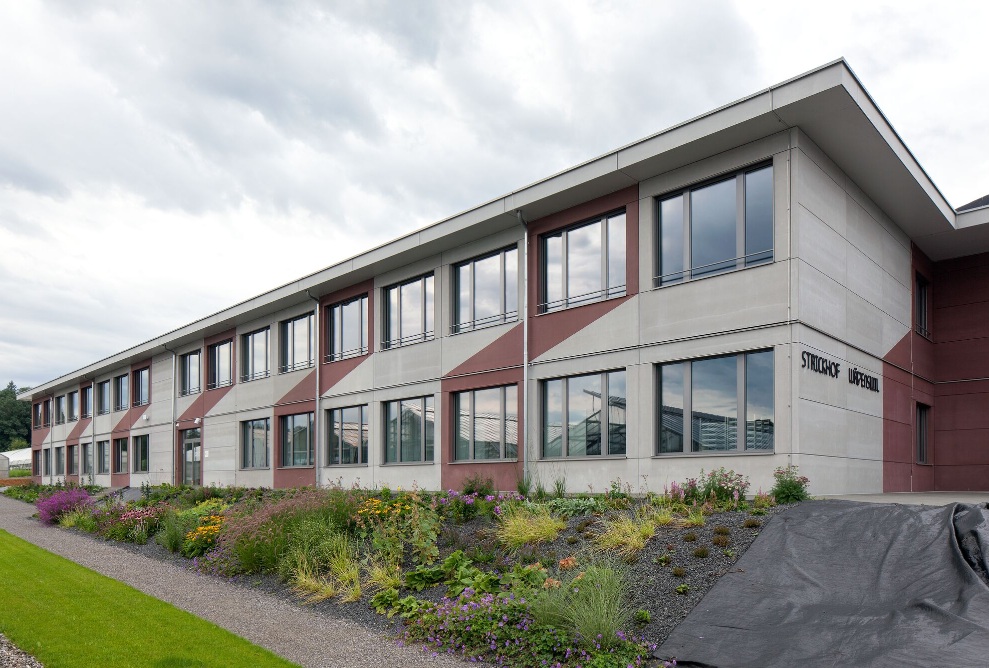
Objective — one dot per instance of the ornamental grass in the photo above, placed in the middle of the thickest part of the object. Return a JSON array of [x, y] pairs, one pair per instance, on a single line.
[[522, 525]]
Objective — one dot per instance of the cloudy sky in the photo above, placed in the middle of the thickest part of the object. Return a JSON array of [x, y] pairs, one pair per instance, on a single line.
[[162, 161]]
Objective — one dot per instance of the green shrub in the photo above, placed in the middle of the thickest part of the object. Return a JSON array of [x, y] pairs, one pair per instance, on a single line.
[[789, 487], [642, 617], [478, 484], [173, 528], [574, 506]]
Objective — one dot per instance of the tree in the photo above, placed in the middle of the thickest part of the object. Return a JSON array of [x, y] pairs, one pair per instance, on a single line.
[[15, 419]]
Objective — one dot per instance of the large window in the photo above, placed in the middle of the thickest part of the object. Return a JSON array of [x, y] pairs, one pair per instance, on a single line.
[[297, 440], [59, 461], [37, 416], [254, 355], [923, 422], [486, 424], [409, 312], [487, 291], [583, 264], [220, 365], [60, 410], [142, 387], [103, 397], [86, 395], [121, 395], [120, 455], [923, 306], [297, 349], [584, 416], [142, 453], [72, 406], [716, 227], [348, 436], [103, 457], [347, 329], [717, 393], [87, 459], [409, 430], [255, 436], [72, 462], [191, 374]]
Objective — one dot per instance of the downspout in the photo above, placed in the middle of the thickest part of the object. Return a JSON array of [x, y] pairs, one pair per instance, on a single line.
[[317, 441], [525, 343], [51, 441], [92, 430], [171, 421]]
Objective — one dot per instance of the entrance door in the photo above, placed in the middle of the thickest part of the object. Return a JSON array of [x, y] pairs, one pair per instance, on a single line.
[[191, 457]]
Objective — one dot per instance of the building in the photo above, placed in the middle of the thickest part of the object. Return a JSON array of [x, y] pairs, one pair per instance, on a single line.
[[781, 270]]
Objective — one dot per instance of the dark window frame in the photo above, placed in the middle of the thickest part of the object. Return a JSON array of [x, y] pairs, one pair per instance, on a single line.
[[72, 406], [289, 455], [119, 465], [427, 303], [104, 397], [60, 409], [605, 426], [72, 460], [121, 392], [141, 386], [103, 456], [287, 353], [188, 361], [141, 446], [504, 427], [922, 443], [334, 417], [247, 450], [214, 381], [86, 402], [248, 344], [504, 315], [427, 437], [922, 306], [335, 326]]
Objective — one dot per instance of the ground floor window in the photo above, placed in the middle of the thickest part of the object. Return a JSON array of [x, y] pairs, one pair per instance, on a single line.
[[255, 435], [584, 416], [923, 420], [717, 393], [87, 459], [120, 455], [348, 436], [72, 464], [142, 454], [297, 440], [486, 424], [60, 461], [103, 457], [409, 430], [36, 462], [48, 461]]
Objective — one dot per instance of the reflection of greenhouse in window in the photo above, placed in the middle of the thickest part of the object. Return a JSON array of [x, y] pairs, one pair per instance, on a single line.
[[581, 399], [409, 430]]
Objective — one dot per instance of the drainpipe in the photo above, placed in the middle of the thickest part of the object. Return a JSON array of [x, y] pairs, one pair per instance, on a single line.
[[525, 342], [317, 441], [171, 421], [92, 429], [51, 441]]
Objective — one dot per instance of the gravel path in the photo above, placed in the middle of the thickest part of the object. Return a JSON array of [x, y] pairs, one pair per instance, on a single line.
[[12, 657], [297, 633]]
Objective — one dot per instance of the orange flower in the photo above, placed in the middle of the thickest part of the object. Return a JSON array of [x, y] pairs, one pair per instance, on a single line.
[[568, 563]]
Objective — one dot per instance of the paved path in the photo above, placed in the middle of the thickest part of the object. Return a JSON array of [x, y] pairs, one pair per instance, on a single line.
[[292, 631], [917, 498]]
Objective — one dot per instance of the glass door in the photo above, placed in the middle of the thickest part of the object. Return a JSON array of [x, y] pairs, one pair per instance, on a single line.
[[191, 457]]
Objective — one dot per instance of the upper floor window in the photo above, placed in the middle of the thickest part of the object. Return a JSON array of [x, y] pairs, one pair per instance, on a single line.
[[584, 416], [72, 406], [220, 365], [37, 415], [191, 373], [254, 355], [347, 329], [487, 291], [297, 440], [142, 387], [922, 295], [46, 412], [583, 264], [103, 397], [409, 430], [409, 312], [348, 436], [297, 349], [717, 393], [486, 424], [716, 227], [255, 435], [60, 410], [121, 396], [86, 404]]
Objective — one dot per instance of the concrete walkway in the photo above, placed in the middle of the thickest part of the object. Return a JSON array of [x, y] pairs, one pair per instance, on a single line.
[[295, 632], [917, 498]]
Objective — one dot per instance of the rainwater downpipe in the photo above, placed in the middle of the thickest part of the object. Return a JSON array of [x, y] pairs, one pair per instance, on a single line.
[[92, 430], [51, 440], [525, 343], [171, 422], [317, 440]]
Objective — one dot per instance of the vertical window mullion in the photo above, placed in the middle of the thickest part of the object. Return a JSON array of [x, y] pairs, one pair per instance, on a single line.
[[604, 258], [502, 287], [471, 419], [471, 296], [688, 268], [741, 421], [688, 407], [740, 220], [422, 428], [565, 418], [502, 421], [605, 435], [565, 271]]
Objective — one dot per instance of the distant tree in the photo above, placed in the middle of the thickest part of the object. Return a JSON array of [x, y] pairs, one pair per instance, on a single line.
[[15, 419]]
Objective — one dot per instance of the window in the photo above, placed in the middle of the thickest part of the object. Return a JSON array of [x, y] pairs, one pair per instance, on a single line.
[[254, 355], [583, 264], [142, 387], [72, 406], [103, 457], [923, 422], [103, 397], [120, 455], [574, 421], [716, 227], [36, 463], [37, 416], [121, 397], [72, 464], [348, 436], [48, 461], [297, 440], [86, 395], [59, 461], [409, 312], [923, 307], [486, 424], [409, 430], [487, 291], [220, 365], [347, 329], [717, 392], [142, 453], [46, 411], [60, 410], [190, 371], [297, 349], [87, 459], [254, 444]]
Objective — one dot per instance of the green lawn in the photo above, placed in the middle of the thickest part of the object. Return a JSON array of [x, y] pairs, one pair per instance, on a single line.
[[70, 616]]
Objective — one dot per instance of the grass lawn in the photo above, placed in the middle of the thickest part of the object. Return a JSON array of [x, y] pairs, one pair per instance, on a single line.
[[70, 616]]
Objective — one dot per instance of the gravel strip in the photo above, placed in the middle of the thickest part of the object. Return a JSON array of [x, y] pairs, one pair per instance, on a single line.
[[12, 657], [307, 636]]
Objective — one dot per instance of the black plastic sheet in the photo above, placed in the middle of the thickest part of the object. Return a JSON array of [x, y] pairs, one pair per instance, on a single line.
[[843, 583]]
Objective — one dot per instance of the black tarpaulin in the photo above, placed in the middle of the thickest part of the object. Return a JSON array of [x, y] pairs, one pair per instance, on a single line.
[[842, 583]]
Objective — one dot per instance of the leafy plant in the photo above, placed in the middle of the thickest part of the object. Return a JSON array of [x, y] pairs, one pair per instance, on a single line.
[[384, 601], [683, 588], [662, 560], [642, 617], [574, 506], [790, 487]]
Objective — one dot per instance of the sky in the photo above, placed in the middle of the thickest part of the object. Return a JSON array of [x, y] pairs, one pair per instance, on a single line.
[[161, 161]]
